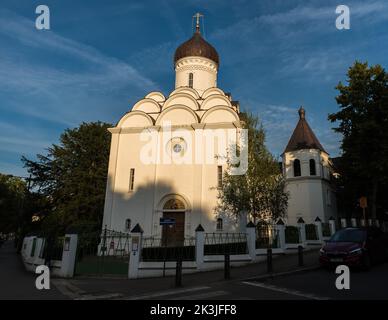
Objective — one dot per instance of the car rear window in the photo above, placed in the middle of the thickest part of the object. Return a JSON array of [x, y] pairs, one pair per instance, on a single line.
[[349, 235]]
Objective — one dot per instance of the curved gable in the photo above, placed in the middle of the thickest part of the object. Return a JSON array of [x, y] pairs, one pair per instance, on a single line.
[[214, 101], [219, 114], [147, 105], [135, 119], [177, 115], [181, 99], [212, 91], [156, 95], [187, 90]]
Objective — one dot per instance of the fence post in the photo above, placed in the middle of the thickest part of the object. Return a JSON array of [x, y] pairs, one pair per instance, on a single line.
[[199, 246], [300, 256], [343, 222], [362, 222], [269, 260], [318, 223], [178, 273], [369, 222], [377, 223], [227, 266], [282, 233], [332, 225], [136, 247], [251, 239], [69, 254], [354, 222], [302, 231]]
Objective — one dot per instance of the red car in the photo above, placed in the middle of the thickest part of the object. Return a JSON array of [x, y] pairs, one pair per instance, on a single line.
[[358, 247]]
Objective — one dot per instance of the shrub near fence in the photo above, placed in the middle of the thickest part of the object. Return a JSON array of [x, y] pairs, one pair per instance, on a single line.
[[154, 250], [292, 234], [311, 232], [225, 243], [266, 236], [326, 229]]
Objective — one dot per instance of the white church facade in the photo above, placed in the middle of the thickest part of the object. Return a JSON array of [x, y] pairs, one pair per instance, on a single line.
[[153, 172]]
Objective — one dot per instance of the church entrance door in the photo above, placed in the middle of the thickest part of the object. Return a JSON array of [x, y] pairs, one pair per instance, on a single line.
[[174, 235]]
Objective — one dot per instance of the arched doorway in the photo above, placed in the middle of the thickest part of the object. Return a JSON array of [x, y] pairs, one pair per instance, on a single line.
[[174, 235]]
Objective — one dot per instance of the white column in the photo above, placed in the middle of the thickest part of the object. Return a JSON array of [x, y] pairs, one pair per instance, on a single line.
[[69, 255], [318, 223], [332, 226], [354, 222], [369, 222], [362, 222], [302, 230], [251, 240], [377, 223], [282, 233], [134, 257], [199, 246], [343, 222]]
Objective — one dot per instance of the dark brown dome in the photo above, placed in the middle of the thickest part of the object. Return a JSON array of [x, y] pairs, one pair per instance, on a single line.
[[196, 46]]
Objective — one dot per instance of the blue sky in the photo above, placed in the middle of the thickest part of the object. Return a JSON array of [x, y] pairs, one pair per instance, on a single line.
[[102, 56]]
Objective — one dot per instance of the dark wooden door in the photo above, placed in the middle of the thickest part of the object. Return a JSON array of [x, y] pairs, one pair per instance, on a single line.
[[174, 235]]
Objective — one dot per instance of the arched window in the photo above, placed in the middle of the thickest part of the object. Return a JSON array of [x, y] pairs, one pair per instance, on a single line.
[[128, 225], [191, 79], [297, 172], [313, 170], [219, 224], [174, 204]]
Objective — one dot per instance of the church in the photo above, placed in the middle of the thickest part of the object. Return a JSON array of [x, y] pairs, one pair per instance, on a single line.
[[154, 175]]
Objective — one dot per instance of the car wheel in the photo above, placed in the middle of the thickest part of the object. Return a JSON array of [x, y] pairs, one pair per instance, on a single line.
[[366, 262]]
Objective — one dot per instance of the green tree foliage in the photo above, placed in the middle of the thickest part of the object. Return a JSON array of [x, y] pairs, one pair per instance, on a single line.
[[72, 177], [13, 197], [260, 192], [363, 123]]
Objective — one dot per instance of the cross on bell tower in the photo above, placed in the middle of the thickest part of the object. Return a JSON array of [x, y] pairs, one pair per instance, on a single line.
[[197, 18]]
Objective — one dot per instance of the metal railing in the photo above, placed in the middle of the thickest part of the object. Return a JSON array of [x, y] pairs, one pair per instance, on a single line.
[[267, 236], [225, 243], [155, 249]]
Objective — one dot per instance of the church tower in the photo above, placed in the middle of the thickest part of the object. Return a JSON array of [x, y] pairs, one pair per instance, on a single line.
[[196, 62], [308, 172]]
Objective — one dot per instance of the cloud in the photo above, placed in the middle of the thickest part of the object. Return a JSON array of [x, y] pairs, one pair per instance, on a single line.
[[61, 92]]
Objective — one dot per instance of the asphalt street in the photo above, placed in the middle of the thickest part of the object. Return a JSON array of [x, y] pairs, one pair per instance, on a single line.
[[16, 282], [316, 284]]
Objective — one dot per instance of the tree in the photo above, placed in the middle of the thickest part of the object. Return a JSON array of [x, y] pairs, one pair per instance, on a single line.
[[363, 123], [260, 192], [13, 195], [72, 177]]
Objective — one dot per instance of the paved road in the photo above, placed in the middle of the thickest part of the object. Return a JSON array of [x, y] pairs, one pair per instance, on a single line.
[[311, 285], [16, 282]]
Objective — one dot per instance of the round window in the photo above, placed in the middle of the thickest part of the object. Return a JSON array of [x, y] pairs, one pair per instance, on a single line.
[[177, 148]]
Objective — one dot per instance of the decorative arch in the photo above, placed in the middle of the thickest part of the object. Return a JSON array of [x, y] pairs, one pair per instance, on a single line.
[[135, 119], [188, 100], [171, 197], [215, 100], [212, 91], [187, 90], [147, 105], [219, 114], [185, 115], [156, 95]]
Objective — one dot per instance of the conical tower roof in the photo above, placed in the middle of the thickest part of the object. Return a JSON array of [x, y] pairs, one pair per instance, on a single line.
[[303, 136]]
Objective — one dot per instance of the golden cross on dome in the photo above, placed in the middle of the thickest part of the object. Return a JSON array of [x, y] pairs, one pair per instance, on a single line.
[[197, 16]]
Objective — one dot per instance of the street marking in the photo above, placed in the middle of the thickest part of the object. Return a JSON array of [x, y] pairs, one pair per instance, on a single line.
[[202, 296], [285, 290], [165, 293]]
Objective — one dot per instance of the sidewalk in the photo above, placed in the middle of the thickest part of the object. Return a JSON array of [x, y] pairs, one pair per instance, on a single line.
[[79, 287]]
